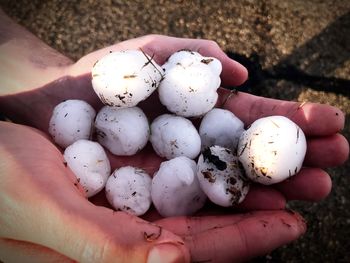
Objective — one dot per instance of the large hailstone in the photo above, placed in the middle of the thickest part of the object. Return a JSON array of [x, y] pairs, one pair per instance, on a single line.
[[123, 131], [220, 127], [272, 150], [129, 189], [175, 188], [173, 136], [190, 83], [71, 120], [124, 78], [221, 177], [90, 165]]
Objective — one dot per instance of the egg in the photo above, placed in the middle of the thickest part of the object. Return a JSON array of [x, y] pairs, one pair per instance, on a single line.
[[272, 149]]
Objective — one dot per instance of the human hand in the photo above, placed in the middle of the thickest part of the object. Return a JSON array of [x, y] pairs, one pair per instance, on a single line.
[[211, 228]]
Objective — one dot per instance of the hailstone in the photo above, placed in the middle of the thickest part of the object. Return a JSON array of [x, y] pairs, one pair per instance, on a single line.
[[124, 78], [190, 83], [71, 120], [175, 188], [221, 177], [272, 149], [123, 131], [220, 127], [89, 163], [129, 189], [173, 136]]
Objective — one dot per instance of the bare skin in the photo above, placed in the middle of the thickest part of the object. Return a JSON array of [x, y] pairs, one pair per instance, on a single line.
[[46, 218]]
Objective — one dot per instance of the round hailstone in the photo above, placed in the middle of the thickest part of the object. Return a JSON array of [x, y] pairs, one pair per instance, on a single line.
[[129, 189], [173, 136], [124, 78], [123, 131], [175, 188], [221, 177], [190, 83], [220, 127], [89, 162], [71, 120], [272, 150]]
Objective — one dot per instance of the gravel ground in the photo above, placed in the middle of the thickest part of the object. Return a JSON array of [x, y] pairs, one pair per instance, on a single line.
[[295, 50]]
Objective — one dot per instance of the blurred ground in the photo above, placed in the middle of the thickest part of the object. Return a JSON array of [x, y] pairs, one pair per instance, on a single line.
[[295, 50]]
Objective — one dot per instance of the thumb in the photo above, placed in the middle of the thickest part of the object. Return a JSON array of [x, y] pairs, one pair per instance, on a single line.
[[78, 229], [98, 234]]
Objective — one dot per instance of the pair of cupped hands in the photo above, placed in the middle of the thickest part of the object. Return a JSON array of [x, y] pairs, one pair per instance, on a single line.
[[45, 217]]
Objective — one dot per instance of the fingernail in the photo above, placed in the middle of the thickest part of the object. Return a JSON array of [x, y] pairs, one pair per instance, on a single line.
[[165, 253]]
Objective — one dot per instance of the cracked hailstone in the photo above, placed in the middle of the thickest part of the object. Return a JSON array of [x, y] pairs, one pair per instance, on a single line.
[[71, 120], [123, 131], [124, 78], [190, 83], [90, 165], [175, 188], [272, 150], [220, 127], [173, 136], [129, 189], [221, 177]]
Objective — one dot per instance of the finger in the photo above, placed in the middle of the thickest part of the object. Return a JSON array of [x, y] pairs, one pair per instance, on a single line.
[[20, 251], [263, 198], [146, 159], [255, 235], [193, 225], [42, 206], [310, 184], [233, 73], [327, 151], [161, 47], [258, 198], [313, 118]]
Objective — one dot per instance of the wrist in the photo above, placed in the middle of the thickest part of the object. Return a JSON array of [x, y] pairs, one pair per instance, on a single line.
[[21, 71], [27, 63]]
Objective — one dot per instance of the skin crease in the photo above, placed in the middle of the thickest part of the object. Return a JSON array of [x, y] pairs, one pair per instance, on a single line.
[[45, 218]]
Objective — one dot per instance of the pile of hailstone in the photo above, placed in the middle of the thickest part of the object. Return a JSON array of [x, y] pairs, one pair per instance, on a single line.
[[218, 161]]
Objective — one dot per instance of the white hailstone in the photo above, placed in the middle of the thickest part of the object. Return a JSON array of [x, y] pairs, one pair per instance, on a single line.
[[220, 127], [221, 177], [173, 136], [272, 149], [123, 131], [89, 163], [190, 83], [129, 189], [124, 78], [71, 120], [175, 188]]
